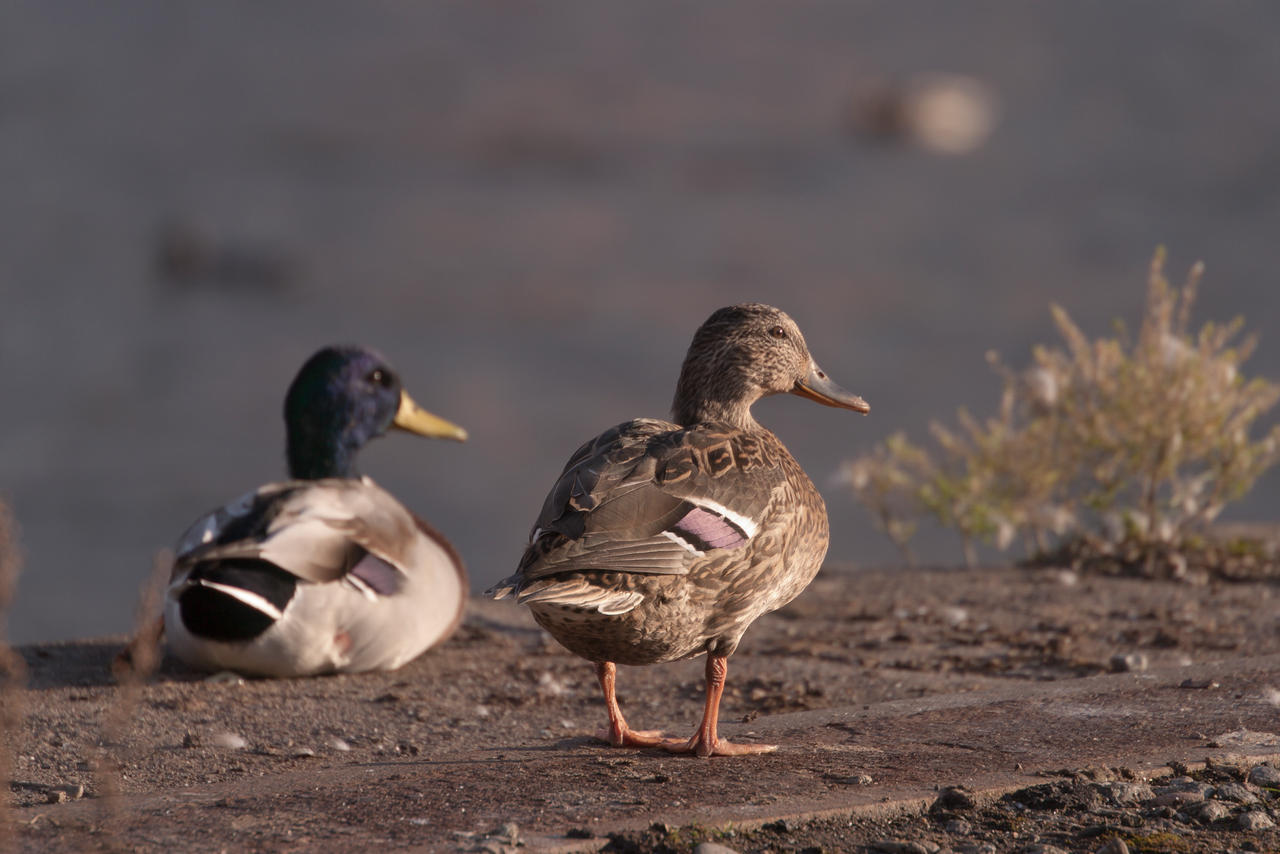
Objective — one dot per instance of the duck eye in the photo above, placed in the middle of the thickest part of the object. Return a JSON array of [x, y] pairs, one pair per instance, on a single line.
[[778, 332], [380, 377]]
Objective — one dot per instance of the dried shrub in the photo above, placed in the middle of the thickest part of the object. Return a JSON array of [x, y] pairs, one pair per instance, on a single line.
[[13, 668], [1115, 451]]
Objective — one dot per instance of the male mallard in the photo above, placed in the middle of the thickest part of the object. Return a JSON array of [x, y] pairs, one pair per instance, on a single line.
[[326, 572], [662, 541]]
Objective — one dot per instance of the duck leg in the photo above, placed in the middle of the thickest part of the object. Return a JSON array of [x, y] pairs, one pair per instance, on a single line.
[[705, 742], [619, 734]]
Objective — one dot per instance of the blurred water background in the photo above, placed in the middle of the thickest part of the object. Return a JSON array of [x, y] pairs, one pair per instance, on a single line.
[[530, 207]]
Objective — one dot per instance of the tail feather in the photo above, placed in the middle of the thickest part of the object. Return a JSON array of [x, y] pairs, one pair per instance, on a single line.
[[502, 589]]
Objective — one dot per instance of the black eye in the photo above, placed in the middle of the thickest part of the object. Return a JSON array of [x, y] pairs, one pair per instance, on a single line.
[[778, 332], [380, 377]]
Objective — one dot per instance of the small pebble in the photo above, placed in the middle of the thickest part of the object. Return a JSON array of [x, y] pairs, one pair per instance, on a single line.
[[1121, 792], [953, 798], [225, 677], [339, 744], [1133, 662], [549, 685], [303, 753], [959, 827], [1041, 848], [977, 848], [1254, 821], [1236, 793], [712, 848], [1209, 811], [1265, 775], [65, 792], [1186, 784], [230, 741], [898, 846], [1114, 845], [1198, 684], [1179, 798], [1067, 577]]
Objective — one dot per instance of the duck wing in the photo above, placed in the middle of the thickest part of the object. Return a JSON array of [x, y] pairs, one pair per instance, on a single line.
[[318, 531], [647, 498]]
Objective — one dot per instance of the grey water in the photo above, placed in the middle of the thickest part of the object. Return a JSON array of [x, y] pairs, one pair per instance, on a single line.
[[530, 208]]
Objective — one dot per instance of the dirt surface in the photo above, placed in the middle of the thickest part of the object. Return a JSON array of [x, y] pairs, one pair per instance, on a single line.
[[881, 688]]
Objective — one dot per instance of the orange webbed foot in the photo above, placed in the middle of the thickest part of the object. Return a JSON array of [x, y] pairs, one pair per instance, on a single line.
[[719, 747]]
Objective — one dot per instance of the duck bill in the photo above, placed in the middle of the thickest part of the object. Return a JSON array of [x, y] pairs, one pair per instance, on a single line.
[[415, 419], [818, 387]]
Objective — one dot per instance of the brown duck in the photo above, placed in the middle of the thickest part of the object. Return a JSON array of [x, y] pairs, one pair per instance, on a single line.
[[663, 541]]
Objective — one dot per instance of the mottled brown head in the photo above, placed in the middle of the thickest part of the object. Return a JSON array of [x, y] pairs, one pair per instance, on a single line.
[[743, 353]]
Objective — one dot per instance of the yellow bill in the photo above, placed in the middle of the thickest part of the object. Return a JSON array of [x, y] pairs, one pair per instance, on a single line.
[[415, 419]]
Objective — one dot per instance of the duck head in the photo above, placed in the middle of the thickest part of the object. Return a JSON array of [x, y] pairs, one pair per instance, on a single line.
[[342, 398], [743, 353]]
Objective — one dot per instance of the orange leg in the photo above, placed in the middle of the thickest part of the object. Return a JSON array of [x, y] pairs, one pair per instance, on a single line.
[[619, 734], [705, 742]]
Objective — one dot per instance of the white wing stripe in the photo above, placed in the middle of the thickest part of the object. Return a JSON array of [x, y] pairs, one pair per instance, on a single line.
[[748, 526], [253, 600], [682, 542]]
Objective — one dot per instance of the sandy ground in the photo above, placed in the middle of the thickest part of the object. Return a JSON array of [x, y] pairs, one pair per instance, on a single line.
[[880, 686]]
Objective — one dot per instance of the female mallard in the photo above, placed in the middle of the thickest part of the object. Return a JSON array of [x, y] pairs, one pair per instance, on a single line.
[[326, 572], [663, 541]]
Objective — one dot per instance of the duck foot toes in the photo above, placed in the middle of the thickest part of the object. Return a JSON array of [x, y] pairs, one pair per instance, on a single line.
[[720, 747]]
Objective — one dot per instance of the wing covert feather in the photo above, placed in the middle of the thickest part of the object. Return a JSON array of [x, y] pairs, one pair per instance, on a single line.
[[317, 530], [618, 502]]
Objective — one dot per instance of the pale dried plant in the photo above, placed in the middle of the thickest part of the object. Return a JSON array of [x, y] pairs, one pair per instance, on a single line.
[[1116, 447], [12, 666], [131, 673]]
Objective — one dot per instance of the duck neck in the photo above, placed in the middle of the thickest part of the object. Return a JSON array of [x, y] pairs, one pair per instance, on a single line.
[[704, 407], [313, 456]]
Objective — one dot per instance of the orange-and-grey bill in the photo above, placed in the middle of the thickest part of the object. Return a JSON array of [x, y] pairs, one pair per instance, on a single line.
[[412, 417], [817, 386]]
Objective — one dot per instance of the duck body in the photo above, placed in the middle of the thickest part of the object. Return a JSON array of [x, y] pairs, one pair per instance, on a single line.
[[730, 528], [308, 577], [326, 572], [664, 540]]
